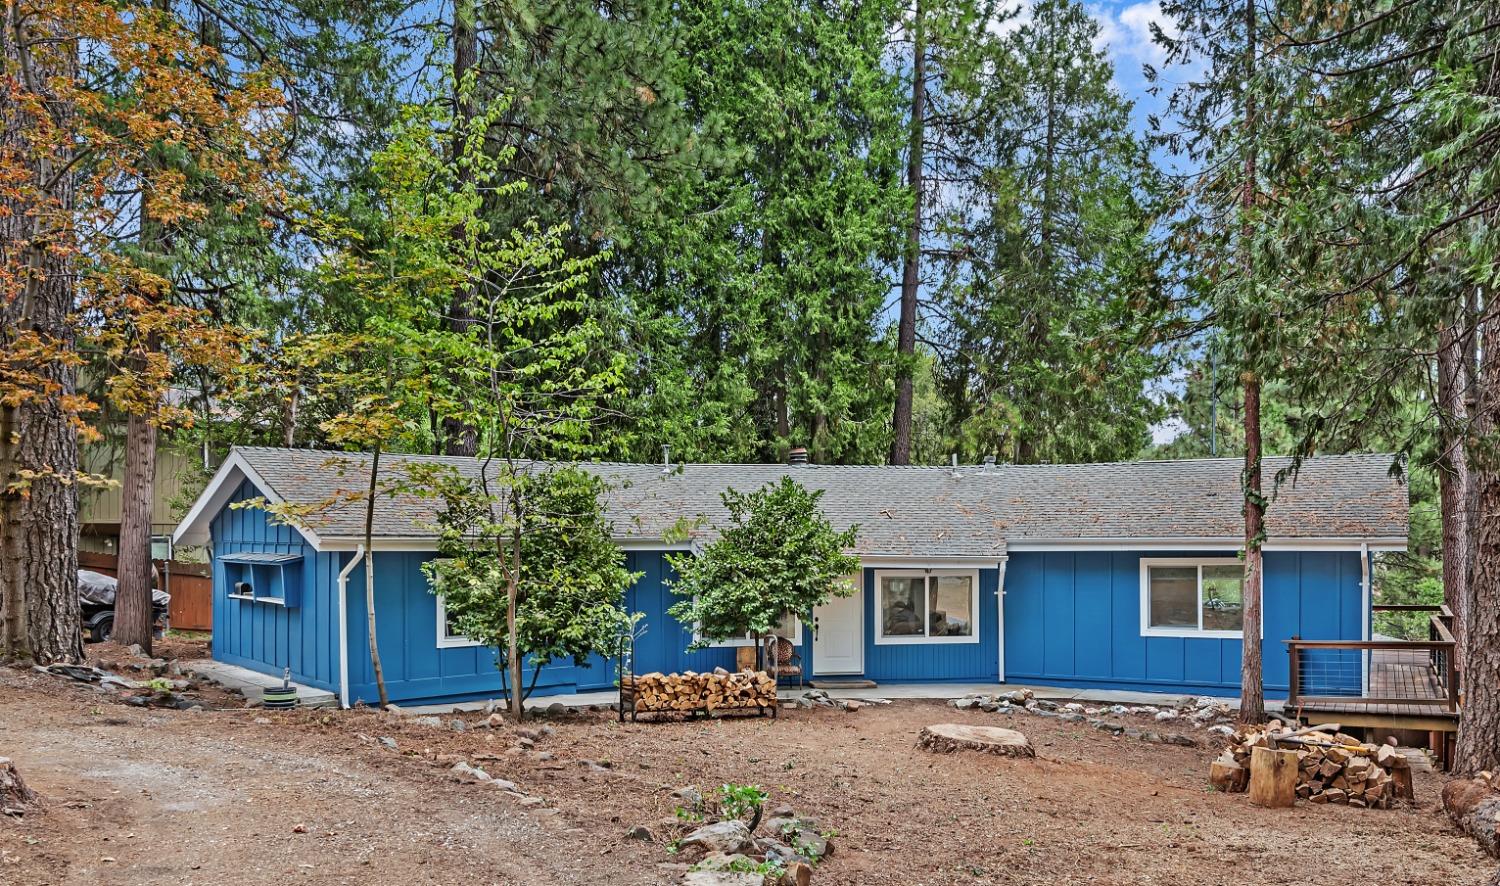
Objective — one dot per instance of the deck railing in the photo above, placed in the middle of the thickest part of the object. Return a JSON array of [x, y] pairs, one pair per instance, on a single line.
[[1378, 672]]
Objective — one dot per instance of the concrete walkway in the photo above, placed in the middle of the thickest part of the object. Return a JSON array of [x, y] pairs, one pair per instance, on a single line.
[[252, 684]]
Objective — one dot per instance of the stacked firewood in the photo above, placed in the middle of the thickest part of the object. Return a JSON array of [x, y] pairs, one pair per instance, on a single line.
[[690, 691], [1332, 767]]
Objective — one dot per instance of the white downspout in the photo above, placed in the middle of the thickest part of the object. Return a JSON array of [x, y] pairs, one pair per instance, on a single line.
[[1000, 617], [344, 626], [1367, 617]]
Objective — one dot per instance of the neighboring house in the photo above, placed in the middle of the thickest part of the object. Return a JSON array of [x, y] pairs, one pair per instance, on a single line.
[[99, 506], [1107, 575]]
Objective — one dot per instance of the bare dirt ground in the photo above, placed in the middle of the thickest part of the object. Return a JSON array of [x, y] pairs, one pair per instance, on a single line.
[[135, 795]]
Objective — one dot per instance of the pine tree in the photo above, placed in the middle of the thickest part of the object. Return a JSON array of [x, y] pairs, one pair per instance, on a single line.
[[1049, 283]]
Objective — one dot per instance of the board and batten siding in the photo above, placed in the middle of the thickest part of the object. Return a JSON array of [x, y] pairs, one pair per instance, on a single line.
[[268, 637], [1074, 618]]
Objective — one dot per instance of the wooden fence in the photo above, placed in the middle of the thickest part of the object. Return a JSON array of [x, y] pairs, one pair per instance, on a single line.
[[190, 584]]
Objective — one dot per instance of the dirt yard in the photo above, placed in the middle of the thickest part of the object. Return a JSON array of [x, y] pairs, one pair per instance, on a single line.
[[234, 796]]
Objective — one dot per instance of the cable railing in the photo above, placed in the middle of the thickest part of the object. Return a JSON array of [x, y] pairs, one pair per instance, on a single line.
[[1371, 673]]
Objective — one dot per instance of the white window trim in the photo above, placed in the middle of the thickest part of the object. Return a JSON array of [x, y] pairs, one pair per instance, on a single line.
[[749, 639], [1147, 630], [444, 639], [976, 609]]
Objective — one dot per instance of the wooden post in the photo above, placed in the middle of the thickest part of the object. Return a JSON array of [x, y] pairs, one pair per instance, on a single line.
[[1273, 778], [1293, 665]]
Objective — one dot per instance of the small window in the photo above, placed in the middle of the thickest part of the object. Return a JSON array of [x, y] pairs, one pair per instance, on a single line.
[[1188, 598], [448, 636], [789, 627], [927, 607]]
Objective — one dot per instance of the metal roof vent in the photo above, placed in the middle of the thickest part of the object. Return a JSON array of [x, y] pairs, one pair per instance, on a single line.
[[798, 456], [954, 468], [666, 458], [989, 464]]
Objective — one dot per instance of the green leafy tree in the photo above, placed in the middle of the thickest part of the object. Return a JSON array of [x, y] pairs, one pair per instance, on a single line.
[[778, 556], [570, 575]]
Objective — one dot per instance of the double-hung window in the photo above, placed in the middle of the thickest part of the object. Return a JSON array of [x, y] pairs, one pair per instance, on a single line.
[[448, 636], [926, 606], [1192, 598]]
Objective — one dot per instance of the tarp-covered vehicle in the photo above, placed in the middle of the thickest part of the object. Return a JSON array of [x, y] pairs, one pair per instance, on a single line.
[[96, 596]]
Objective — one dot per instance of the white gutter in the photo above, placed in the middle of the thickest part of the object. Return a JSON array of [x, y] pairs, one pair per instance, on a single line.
[[344, 626], [1367, 617], [1000, 617]]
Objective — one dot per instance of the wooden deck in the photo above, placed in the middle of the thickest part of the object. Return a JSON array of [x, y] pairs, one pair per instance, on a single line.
[[1403, 691]]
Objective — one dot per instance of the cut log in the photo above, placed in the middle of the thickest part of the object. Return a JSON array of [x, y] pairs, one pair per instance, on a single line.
[[1228, 776], [15, 796], [949, 737], [1273, 778], [1475, 807]]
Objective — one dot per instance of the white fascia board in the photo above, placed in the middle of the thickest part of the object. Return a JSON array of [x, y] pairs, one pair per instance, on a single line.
[[1383, 543], [988, 561], [194, 528]]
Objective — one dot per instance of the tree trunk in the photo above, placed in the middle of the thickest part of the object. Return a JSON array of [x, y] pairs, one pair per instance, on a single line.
[[1252, 686], [15, 645], [133, 598], [512, 633], [1252, 683], [1479, 728], [1453, 477], [38, 255], [459, 437], [370, 579], [906, 330]]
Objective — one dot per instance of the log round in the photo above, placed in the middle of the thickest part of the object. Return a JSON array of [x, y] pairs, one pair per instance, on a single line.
[[945, 738], [1475, 807]]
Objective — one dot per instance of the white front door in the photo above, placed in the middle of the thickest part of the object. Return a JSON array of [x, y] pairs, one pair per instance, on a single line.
[[839, 634]]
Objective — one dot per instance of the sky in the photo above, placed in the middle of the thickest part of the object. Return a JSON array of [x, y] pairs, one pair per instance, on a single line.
[[1125, 30]]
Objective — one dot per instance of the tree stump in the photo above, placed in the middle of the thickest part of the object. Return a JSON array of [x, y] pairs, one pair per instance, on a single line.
[[1475, 807], [1273, 778], [15, 796], [945, 738]]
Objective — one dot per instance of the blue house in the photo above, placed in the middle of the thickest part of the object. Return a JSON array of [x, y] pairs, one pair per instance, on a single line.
[[1123, 576]]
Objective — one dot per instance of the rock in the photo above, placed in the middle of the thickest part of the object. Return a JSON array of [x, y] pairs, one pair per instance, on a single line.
[[1018, 696], [135, 649], [387, 741], [495, 721], [796, 874], [689, 799], [262, 720], [966, 703], [850, 704], [1164, 716], [525, 743], [556, 709], [948, 737], [1221, 730], [1073, 707], [640, 832], [1042, 704], [719, 861], [429, 722], [728, 837], [531, 801], [811, 845], [722, 878], [465, 772], [450, 759], [1117, 709], [1073, 718], [458, 725], [504, 785]]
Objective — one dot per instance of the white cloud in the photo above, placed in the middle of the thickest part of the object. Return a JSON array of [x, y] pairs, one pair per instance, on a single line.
[[1126, 32]]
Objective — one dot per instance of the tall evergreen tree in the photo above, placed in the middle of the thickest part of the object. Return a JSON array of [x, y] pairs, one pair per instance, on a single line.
[[1049, 289]]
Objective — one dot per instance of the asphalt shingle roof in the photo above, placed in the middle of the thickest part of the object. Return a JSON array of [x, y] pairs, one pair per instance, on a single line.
[[914, 511]]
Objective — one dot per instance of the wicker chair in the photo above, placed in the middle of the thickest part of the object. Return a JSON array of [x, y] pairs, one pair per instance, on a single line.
[[782, 653]]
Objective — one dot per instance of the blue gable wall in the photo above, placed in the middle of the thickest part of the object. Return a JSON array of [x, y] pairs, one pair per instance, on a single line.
[[1074, 619], [265, 636]]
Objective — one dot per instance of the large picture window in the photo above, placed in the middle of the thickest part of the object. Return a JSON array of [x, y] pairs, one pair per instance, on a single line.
[[926, 606], [1188, 598]]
